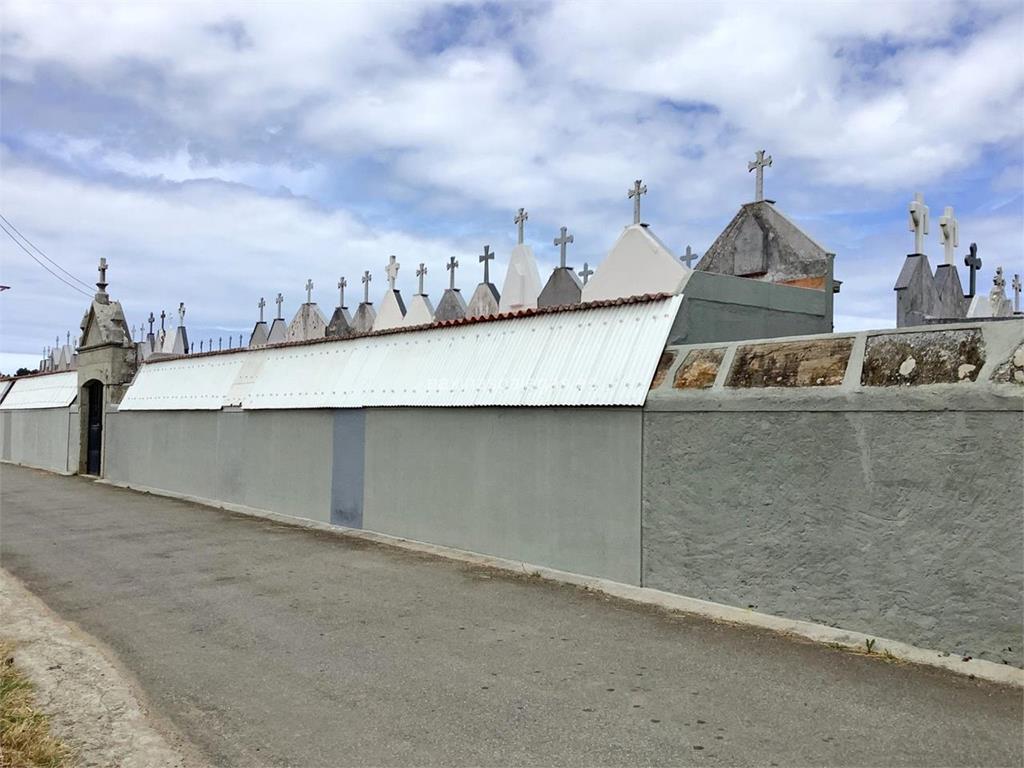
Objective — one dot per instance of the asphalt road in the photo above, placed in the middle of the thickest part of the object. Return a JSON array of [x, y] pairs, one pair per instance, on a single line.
[[267, 644]]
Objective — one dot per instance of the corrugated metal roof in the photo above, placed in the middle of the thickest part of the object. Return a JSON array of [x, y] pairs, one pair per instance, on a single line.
[[5, 384], [55, 390], [604, 354]]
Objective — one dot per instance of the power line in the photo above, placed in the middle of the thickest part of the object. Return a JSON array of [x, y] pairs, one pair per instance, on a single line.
[[40, 252], [37, 261]]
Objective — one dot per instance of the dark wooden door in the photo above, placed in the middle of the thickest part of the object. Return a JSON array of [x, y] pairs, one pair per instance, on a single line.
[[94, 440]]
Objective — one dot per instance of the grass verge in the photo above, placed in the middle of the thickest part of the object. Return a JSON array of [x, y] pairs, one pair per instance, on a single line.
[[25, 740]]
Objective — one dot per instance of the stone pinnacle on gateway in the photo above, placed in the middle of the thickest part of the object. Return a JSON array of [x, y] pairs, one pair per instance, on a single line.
[[759, 163], [949, 234], [634, 194], [918, 221]]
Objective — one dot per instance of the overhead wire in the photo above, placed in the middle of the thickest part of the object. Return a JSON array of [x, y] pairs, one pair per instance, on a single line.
[[41, 264], [39, 250]]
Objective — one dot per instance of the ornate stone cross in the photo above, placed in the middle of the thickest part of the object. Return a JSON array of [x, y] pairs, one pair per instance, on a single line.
[[451, 266], [973, 262], [918, 221], [151, 321], [261, 304], [586, 272], [485, 257], [637, 190], [949, 230], [759, 163], [279, 300], [689, 257], [564, 239], [181, 314], [391, 270], [420, 273], [519, 221], [309, 291], [342, 284], [1016, 293], [367, 277], [102, 269]]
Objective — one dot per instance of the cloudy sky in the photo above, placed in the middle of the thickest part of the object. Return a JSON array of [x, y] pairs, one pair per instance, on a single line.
[[219, 152]]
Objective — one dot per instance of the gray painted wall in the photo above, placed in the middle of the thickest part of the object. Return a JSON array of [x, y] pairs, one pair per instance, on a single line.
[[279, 461], [552, 486], [901, 523], [46, 438], [348, 463]]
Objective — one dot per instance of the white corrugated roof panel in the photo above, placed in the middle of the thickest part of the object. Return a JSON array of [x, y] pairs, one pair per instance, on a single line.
[[55, 390], [4, 386], [184, 384], [600, 355]]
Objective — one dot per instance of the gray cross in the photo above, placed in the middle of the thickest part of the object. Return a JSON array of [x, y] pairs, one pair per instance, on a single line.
[[1016, 293], [163, 316], [451, 266], [564, 239], [342, 283], [973, 261], [519, 221], [420, 273], [69, 332], [200, 346], [220, 343], [181, 314], [103, 274], [999, 282], [689, 257], [309, 291], [209, 348], [392, 271], [280, 301], [759, 164], [151, 321], [637, 190], [586, 272], [367, 277], [485, 257], [918, 213]]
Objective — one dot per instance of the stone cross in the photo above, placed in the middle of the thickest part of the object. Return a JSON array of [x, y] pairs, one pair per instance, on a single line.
[[200, 346], [1016, 277], [102, 269], [309, 291], [209, 347], [261, 304], [519, 221], [949, 229], [999, 282], [220, 343], [918, 221], [1016, 293], [151, 321], [181, 313], [451, 266], [973, 262], [163, 316], [392, 272], [342, 283], [485, 257], [689, 257], [367, 277], [564, 239], [420, 273], [637, 190], [280, 301], [586, 272], [759, 164]]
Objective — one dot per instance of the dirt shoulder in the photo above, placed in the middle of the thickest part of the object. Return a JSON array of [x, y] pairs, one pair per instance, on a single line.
[[92, 704]]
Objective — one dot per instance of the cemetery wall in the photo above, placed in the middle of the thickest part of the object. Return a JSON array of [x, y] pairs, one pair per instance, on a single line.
[[279, 461], [552, 486], [46, 438], [793, 482]]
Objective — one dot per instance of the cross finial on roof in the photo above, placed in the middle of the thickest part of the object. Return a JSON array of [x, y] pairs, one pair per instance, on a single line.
[[151, 321], [973, 262], [342, 284], [420, 273], [586, 272], [181, 313], [689, 257], [309, 291], [451, 266], [200, 346], [1016, 293], [367, 277], [519, 221], [163, 316], [918, 212], [485, 257], [759, 163], [279, 300], [949, 228], [1017, 277], [561, 241], [102, 269], [261, 304], [999, 282], [220, 343], [637, 190], [392, 271]]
